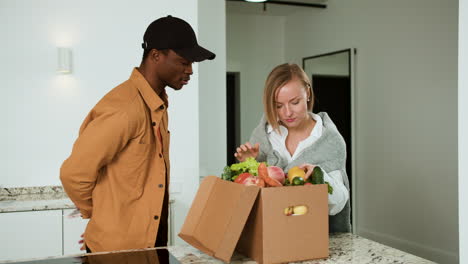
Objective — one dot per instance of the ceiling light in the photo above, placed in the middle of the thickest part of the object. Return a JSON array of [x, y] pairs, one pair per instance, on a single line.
[[282, 2]]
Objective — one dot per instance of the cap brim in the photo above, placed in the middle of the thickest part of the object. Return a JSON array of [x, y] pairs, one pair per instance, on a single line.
[[195, 54]]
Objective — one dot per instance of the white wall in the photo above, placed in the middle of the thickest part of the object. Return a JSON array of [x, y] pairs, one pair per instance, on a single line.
[[255, 45], [406, 107], [406, 103], [42, 111], [336, 64], [463, 129], [212, 87]]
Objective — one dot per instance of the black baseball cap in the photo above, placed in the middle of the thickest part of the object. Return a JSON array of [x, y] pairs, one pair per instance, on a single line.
[[175, 34]]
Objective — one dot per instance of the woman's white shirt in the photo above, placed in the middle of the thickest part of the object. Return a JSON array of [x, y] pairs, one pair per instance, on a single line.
[[340, 196]]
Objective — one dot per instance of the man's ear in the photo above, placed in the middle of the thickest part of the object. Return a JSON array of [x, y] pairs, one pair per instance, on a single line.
[[155, 55]]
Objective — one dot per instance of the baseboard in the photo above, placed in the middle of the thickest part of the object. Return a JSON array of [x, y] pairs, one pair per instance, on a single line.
[[434, 254]]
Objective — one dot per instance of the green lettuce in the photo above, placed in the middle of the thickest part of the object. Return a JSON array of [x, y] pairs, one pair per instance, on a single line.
[[250, 165]]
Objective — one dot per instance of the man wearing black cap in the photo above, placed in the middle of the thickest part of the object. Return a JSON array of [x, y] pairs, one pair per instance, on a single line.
[[118, 172]]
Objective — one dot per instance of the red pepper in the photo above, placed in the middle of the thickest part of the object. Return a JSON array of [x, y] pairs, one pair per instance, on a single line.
[[241, 177]]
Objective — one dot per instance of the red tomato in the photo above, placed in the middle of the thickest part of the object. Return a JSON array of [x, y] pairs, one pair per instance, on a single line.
[[242, 177]]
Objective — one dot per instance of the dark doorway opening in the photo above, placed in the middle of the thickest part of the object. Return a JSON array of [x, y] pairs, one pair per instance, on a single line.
[[232, 115], [333, 95], [331, 78]]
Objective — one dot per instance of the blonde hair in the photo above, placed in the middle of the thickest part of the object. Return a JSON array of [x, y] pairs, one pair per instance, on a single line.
[[277, 78]]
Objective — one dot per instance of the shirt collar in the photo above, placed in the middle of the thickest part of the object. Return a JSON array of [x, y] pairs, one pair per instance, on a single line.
[[318, 125], [151, 98], [317, 129], [282, 129]]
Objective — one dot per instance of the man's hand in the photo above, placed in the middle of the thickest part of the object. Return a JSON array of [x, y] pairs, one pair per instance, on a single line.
[[82, 243], [246, 150]]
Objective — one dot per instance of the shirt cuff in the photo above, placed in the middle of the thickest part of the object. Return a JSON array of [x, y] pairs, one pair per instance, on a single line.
[[337, 200]]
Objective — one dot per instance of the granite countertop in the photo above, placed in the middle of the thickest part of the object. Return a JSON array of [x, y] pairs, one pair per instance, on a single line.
[[23, 199], [344, 248]]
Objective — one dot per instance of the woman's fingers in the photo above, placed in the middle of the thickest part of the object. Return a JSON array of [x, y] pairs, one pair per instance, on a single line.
[[244, 147], [246, 150], [308, 169], [239, 157], [256, 146], [247, 144]]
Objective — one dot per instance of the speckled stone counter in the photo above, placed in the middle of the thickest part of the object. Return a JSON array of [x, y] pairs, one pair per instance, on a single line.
[[34, 199], [25, 199], [344, 249]]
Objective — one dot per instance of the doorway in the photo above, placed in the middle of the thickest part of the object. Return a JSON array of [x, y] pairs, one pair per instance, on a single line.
[[331, 77], [232, 115]]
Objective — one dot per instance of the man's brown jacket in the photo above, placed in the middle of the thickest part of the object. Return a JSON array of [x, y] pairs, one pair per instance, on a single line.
[[116, 173]]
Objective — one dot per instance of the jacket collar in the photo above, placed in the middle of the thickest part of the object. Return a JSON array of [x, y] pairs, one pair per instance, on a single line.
[[151, 98]]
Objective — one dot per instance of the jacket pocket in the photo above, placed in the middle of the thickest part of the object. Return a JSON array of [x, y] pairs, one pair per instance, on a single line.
[[131, 168], [134, 160], [140, 149]]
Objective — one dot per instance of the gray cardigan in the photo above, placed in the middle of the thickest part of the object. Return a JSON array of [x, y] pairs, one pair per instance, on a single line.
[[328, 152]]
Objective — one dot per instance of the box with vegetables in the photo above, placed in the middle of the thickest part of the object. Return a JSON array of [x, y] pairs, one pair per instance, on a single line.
[[239, 211], [251, 172]]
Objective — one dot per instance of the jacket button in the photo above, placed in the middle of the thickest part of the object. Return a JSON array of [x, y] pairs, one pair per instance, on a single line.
[[161, 107], [160, 185], [153, 124], [156, 217]]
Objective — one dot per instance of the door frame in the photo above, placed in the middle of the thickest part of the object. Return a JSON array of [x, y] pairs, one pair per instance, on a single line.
[[352, 52]]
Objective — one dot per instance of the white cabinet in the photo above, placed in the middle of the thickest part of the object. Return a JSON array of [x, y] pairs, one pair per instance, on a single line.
[[170, 226], [73, 227], [39, 234], [34, 234]]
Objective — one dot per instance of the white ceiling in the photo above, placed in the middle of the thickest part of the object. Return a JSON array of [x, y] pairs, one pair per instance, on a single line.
[[271, 9]]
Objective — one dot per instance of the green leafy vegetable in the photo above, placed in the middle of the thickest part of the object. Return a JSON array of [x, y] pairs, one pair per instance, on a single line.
[[330, 188], [250, 165], [227, 174], [230, 173]]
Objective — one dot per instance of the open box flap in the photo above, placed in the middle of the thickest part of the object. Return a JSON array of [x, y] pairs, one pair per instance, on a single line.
[[217, 216]]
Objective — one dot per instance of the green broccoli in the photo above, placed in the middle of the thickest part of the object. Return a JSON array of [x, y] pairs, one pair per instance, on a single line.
[[227, 174]]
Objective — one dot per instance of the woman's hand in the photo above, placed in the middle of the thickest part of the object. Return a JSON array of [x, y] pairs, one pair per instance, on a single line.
[[308, 168], [246, 150]]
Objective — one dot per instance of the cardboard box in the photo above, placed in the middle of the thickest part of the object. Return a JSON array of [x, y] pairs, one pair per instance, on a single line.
[[225, 216]]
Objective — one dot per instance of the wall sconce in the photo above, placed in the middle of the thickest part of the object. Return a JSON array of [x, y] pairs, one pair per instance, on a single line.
[[64, 60]]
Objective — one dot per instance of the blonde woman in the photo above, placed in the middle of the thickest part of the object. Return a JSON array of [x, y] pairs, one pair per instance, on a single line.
[[289, 135]]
